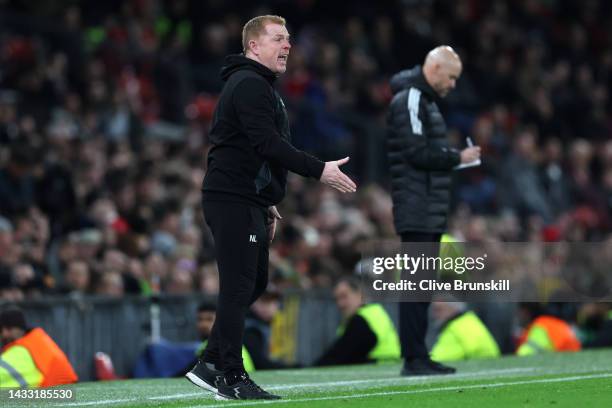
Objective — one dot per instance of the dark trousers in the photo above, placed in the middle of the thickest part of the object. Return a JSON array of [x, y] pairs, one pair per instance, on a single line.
[[241, 245], [413, 315]]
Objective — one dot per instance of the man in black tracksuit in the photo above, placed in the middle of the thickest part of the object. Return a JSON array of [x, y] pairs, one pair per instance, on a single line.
[[420, 166], [246, 177]]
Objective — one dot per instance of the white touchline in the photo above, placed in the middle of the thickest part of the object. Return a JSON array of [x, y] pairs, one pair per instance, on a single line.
[[401, 380], [191, 394], [83, 404], [390, 381], [378, 394]]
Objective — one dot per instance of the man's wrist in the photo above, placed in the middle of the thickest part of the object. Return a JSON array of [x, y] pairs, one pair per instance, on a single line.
[[456, 156], [315, 166]]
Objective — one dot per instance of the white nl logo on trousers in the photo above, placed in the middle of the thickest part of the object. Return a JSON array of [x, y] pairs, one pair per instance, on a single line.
[[252, 238]]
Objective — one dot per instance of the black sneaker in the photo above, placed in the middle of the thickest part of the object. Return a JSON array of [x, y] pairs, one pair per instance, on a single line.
[[425, 366], [205, 377], [242, 388]]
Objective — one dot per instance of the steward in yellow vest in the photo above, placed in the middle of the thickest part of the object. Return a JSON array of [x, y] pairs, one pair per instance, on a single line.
[[546, 330], [548, 334], [30, 358], [367, 333], [463, 335]]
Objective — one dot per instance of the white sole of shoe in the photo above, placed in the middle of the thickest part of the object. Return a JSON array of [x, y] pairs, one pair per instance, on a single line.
[[195, 380]]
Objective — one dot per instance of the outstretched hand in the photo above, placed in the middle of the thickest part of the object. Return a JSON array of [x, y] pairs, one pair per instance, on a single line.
[[334, 177]]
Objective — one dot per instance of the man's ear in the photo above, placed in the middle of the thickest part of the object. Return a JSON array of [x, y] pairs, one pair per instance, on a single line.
[[254, 47]]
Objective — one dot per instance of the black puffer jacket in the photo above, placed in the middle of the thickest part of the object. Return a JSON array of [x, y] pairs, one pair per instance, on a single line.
[[419, 155]]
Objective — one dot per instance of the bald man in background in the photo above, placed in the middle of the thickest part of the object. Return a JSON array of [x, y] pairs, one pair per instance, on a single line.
[[421, 162]]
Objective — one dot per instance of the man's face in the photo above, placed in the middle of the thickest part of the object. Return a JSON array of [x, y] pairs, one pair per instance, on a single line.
[[205, 323], [272, 47], [266, 308], [446, 76], [10, 334], [6, 241], [77, 275], [347, 299], [441, 311]]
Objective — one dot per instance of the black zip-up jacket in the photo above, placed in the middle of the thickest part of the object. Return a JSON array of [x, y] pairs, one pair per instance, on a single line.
[[419, 156], [251, 143]]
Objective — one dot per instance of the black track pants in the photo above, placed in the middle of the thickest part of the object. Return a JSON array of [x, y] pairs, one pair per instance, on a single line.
[[241, 245], [413, 315]]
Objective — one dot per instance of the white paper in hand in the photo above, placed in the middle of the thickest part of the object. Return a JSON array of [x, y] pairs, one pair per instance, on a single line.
[[474, 163]]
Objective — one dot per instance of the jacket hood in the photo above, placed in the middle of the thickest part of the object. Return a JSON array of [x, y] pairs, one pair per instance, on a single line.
[[237, 62], [411, 78]]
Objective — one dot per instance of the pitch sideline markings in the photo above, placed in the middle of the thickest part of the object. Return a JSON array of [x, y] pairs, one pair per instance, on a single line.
[[88, 403], [396, 380], [384, 394]]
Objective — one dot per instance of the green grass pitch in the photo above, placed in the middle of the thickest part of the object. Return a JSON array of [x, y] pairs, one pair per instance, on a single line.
[[554, 380]]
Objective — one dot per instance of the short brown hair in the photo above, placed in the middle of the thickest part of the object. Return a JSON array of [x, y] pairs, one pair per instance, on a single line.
[[256, 26]]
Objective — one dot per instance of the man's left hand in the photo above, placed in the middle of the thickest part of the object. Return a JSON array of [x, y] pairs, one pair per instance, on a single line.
[[273, 215]]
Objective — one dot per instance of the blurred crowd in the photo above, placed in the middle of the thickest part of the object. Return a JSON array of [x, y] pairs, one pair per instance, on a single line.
[[104, 111]]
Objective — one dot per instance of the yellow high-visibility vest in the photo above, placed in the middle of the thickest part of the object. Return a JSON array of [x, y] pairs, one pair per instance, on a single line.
[[387, 341], [17, 369], [465, 337]]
